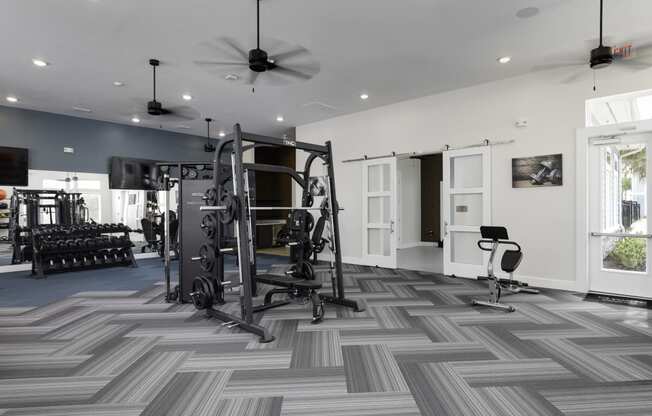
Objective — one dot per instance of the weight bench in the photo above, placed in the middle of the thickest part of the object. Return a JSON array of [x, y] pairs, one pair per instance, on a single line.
[[294, 287]]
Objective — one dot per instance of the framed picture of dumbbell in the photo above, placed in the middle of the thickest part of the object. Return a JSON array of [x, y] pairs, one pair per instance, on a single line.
[[537, 171]]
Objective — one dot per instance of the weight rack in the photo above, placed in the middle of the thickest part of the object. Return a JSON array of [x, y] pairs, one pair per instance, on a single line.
[[60, 249]]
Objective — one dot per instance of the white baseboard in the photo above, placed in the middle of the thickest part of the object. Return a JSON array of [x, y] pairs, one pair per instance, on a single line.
[[543, 282], [535, 281]]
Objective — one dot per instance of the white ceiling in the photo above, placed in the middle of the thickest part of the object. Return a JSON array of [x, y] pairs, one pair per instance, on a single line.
[[394, 50]]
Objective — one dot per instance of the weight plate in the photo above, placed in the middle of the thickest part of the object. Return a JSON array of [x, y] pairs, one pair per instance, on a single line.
[[198, 294], [231, 205], [207, 257], [211, 196], [209, 226]]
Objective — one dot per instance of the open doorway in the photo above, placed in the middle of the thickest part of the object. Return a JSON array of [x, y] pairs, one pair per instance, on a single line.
[[419, 213], [273, 189]]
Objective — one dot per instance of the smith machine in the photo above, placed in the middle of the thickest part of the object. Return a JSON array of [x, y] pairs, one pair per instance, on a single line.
[[229, 227]]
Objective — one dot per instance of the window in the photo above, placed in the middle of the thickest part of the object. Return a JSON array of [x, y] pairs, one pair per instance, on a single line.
[[624, 108]]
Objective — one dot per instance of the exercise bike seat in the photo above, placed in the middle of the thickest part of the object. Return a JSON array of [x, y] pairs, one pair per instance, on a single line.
[[511, 260]]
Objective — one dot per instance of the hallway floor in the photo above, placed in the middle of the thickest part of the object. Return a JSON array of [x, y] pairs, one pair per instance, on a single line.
[[422, 259]]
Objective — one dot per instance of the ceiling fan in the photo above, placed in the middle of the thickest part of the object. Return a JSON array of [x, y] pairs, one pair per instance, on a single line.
[[626, 56], [290, 63], [157, 111]]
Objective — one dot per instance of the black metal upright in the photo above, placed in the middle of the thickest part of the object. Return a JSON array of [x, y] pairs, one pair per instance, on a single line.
[[338, 298], [244, 256]]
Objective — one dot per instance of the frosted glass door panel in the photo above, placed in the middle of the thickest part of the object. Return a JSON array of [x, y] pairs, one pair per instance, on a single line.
[[466, 172], [466, 209]]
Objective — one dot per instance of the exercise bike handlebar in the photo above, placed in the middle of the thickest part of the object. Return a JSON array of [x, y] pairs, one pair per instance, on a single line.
[[503, 242]]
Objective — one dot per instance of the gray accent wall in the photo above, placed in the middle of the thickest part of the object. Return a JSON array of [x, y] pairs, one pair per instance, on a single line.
[[46, 134]]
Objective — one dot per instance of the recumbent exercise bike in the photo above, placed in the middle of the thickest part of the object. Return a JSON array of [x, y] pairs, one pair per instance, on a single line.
[[497, 236]]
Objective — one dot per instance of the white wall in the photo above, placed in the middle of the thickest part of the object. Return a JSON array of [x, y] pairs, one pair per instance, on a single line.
[[409, 202], [542, 220]]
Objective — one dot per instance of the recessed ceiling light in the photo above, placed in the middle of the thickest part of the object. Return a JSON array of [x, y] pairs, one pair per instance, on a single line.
[[364, 96], [118, 83], [280, 119], [504, 59], [12, 99], [187, 97], [82, 109], [231, 77], [222, 134], [183, 126], [39, 62], [135, 120], [527, 12]]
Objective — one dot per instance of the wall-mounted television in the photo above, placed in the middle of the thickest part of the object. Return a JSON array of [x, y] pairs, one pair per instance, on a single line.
[[136, 174], [13, 166]]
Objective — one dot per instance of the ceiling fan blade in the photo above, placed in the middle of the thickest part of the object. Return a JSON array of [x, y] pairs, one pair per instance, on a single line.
[[292, 72], [180, 113], [576, 76], [299, 51], [214, 63], [634, 64], [559, 65], [253, 76], [233, 45]]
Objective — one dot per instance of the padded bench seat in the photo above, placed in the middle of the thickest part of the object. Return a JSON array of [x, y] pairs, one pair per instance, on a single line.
[[287, 281]]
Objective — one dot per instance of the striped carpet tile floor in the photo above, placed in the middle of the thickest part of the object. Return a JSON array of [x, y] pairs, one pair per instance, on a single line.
[[419, 348]]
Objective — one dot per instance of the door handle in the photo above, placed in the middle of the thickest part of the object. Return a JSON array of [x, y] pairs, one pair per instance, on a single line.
[[445, 228], [391, 227]]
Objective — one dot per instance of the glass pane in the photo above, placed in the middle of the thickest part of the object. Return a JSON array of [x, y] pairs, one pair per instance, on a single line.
[[378, 242], [387, 178], [374, 178], [624, 254], [94, 205], [466, 171], [464, 248], [466, 209], [379, 210], [623, 174]]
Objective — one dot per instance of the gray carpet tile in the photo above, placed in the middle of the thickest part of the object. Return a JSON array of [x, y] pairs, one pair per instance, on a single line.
[[419, 348]]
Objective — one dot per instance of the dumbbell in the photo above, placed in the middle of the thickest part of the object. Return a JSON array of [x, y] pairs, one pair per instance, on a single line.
[[88, 259], [102, 242], [91, 243], [57, 262], [100, 258], [110, 258], [66, 261], [77, 261]]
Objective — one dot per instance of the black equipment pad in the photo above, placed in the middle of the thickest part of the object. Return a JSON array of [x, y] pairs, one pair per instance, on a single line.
[[494, 233], [287, 281]]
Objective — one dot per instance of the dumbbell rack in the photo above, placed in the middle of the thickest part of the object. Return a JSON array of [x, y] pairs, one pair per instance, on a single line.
[[60, 249]]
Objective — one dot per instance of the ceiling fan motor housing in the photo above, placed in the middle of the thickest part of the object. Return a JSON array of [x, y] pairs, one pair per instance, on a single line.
[[601, 57], [154, 108], [258, 60]]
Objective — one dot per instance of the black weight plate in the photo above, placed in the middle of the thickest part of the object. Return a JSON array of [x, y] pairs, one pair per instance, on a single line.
[[211, 196], [209, 226], [232, 206], [310, 222], [198, 294], [207, 257]]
